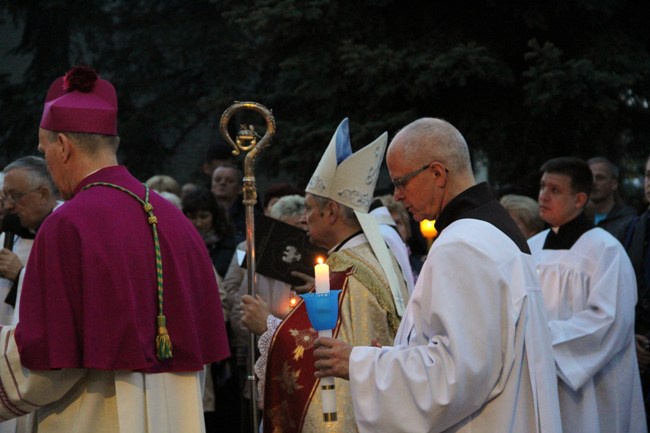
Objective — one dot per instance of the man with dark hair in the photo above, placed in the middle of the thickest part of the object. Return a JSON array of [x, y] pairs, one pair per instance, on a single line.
[[227, 187], [589, 293], [96, 349], [609, 211], [217, 154]]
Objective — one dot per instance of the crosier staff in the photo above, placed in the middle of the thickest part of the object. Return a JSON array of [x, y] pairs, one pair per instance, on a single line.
[[247, 141]]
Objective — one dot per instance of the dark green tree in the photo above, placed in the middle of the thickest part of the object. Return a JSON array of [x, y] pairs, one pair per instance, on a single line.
[[53, 32], [523, 81], [174, 65]]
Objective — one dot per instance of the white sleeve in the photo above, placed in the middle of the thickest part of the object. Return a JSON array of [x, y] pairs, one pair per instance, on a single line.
[[23, 391], [588, 340], [457, 350], [264, 345]]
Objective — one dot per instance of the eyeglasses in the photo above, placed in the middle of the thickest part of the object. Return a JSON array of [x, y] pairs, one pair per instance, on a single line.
[[15, 196], [400, 183]]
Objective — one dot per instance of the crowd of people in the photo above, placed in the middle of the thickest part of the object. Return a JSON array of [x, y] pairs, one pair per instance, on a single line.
[[124, 304]]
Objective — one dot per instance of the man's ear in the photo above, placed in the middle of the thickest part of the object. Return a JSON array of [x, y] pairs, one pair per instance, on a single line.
[[581, 199], [331, 211], [44, 193], [64, 147], [439, 173]]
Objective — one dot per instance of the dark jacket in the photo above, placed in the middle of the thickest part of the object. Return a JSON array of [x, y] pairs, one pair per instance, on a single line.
[[636, 244], [617, 221]]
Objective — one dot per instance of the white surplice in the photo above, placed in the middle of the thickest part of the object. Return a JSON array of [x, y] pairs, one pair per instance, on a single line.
[[21, 247], [590, 295], [395, 244], [472, 353], [86, 400]]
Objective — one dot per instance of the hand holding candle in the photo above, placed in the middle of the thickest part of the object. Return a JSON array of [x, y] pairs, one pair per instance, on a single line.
[[319, 308]]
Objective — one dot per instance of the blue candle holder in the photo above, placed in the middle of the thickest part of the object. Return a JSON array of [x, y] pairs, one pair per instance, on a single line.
[[322, 309]]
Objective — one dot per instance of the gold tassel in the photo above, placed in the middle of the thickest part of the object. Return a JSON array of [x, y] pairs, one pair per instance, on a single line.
[[163, 342]]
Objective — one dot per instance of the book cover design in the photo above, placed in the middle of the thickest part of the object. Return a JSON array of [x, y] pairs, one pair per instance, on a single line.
[[281, 248]]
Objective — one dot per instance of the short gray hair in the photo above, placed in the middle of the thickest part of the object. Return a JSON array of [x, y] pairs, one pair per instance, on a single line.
[[615, 172], [36, 167], [288, 206], [88, 143], [346, 213], [526, 209], [430, 139]]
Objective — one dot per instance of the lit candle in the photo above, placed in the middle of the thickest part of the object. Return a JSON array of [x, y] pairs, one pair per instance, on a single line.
[[428, 230], [327, 384], [322, 272]]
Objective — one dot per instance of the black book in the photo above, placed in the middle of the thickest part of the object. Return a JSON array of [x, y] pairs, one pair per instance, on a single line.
[[281, 248]]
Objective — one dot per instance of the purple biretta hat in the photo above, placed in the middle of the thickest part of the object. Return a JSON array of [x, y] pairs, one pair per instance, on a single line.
[[81, 102]]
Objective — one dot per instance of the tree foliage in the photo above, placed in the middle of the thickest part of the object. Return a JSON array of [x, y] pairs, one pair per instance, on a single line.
[[524, 81]]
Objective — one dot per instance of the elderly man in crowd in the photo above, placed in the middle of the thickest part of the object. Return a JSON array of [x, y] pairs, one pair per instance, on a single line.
[[29, 194], [336, 205]]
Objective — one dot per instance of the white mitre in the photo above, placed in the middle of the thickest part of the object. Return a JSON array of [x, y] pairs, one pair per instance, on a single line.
[[345, 177], [349, 179]]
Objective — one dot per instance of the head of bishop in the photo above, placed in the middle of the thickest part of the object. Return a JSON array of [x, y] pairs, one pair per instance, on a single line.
[[345, 177], [80, 101]]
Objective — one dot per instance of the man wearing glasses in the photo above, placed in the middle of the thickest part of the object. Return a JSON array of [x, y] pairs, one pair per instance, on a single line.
[[472, 353], [30, 194]]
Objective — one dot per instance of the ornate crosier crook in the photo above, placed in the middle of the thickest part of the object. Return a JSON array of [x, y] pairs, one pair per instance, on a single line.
[[247, 141], [248, 135]]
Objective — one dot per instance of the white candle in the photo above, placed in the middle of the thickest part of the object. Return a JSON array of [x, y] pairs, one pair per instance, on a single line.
[[322, 272], [328, 390]]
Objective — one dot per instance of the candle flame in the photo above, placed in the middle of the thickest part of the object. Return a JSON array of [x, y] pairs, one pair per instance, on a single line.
[[320, 260], [293, 302], [428, 228]]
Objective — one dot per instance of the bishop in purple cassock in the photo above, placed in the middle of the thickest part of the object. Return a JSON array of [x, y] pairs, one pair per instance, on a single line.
[[119, 309]]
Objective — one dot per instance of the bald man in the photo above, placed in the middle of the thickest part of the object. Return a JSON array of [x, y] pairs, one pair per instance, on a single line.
[[472, 353]]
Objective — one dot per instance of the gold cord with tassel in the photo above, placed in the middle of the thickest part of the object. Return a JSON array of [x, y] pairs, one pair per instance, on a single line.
[[163, 341]]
